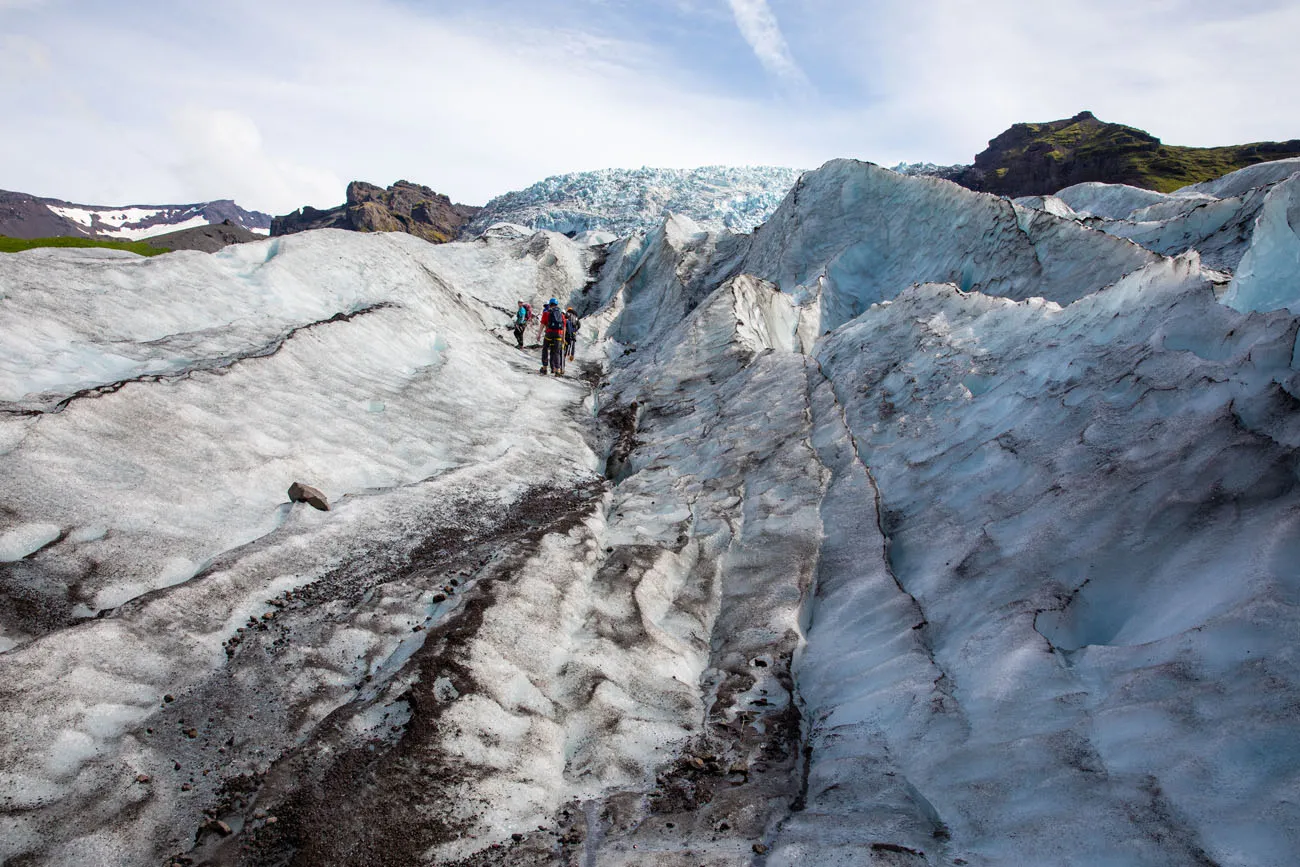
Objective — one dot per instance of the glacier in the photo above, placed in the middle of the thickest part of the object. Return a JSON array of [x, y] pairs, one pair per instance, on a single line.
[[916, 526], [623, 201]]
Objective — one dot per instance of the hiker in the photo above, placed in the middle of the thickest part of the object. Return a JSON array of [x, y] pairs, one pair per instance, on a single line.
[[571, 326], [553, 338], [523, 316]]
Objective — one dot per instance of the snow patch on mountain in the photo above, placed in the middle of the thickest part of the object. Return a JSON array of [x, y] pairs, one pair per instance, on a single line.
[[26, 216], [623, 201]]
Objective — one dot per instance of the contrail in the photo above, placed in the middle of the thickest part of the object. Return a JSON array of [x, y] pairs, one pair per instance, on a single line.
[[758, 25]]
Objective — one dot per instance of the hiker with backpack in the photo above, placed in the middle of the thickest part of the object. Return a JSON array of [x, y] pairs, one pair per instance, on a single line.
[[571, 326], [552, 338], [523, 316]]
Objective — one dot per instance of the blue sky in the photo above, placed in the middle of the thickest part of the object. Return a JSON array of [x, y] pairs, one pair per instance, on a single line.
[[279, 103]]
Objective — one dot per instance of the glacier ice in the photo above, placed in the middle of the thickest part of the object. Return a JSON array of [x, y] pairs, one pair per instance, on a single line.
[[1112, 201], [1216, 218], [917, 527], [1268, 275], [863, 234], [622, 201]]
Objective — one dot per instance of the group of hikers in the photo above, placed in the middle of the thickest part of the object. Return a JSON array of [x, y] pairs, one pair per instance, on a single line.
[[557, 330]]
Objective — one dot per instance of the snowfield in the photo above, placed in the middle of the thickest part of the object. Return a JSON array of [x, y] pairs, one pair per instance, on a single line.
[[917, 527]]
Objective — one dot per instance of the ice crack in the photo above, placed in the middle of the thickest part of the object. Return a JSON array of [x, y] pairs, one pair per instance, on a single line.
[[210, 365]]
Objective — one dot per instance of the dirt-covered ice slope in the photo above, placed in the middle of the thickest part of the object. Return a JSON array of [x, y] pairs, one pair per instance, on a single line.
[[920, 527], [173, 625]]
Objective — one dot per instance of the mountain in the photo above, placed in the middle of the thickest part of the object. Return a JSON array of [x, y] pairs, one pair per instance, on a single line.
[[1041, 158], [917, 527], [27, 216], [403, 207], [622, 201]]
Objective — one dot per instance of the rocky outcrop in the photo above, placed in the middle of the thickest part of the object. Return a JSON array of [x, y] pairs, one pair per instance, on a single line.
[[1035, 159], [403, 207]]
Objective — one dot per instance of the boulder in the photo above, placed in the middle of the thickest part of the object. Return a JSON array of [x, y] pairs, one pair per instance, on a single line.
[[300, 493]]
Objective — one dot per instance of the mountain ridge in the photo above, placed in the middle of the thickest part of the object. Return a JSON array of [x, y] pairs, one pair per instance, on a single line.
[[23, 215]]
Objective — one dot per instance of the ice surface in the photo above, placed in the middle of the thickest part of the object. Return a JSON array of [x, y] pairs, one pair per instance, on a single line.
[[1081, 513], [1112, 201], [1216, 218], [1051, 204], [26, 539], [1242, 180], [863, 234], [622, 201], [918, 527], [1268, 277]]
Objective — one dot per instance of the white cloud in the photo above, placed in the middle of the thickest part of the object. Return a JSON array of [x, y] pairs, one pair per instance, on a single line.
[[23, 56], [936, 81], [283, 103], [759, 26], [221, 155]]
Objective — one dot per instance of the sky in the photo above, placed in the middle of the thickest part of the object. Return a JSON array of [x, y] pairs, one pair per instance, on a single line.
[[280, 103]]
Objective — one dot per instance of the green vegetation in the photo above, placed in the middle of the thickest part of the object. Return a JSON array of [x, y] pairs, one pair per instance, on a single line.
[[1147, 162], [1171, 167], [1037, 158], [14, 245]]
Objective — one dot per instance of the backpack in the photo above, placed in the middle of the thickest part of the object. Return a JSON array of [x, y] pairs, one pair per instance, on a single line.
[[571, 325], [523, 314], [553, 321]]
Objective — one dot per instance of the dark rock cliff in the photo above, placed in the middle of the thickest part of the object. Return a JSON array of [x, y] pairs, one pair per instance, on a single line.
[[403, 207]]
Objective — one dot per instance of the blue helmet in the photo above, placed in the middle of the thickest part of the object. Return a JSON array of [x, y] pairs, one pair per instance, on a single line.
[[552, 303]]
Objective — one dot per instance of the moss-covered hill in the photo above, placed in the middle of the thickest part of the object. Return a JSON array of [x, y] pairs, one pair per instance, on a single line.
[[1032, 159], [17, 245]]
